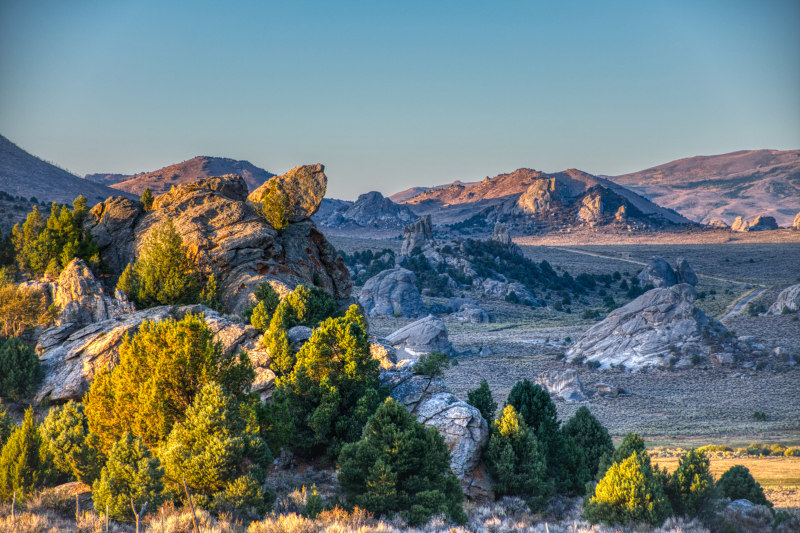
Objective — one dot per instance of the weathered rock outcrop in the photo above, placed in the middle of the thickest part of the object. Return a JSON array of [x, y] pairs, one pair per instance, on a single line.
[[740, 224], [462, 426], [659, 273], [685, 272], [501, 235], [392, 292], [472, 314], [81, 300], [650, 331], [717, 223], [421, 337], [563, 384], [417, 234], [788, 301], [229, 238], [796, 223], [371, 209], [760, 223], [305, 187]]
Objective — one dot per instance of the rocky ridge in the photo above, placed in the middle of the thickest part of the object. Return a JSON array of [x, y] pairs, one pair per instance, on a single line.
[[370, 210]]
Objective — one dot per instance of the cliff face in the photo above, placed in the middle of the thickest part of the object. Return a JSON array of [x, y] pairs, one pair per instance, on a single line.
[[228, 236]]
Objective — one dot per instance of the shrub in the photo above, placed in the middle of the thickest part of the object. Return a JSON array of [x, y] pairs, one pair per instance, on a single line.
[[590, 437], [714, 448], [481, 398], [267, 301], [215, 448], [760, 416], [632, 443], [7, 425], [23, 460], [21, 308], [399, 465], [20, 371], [131, 473], [792, 452], [737, 483], [516, 461], [275, 206], [629, 493], [432, 364], [160, 370], [689, 487], [147, 199], [66, 432]]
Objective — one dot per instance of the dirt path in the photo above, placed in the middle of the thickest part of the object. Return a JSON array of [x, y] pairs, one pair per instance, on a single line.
[[739, 304]]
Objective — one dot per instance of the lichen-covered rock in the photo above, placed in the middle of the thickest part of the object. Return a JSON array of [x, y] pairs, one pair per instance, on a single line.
[[392, 292], [305, 187], [653, 329], [788, 301], [417, 234], [563, 384], [81, 300], [421, 337]]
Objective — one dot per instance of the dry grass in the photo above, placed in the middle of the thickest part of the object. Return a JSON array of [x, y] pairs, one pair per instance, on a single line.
[[770, 471]]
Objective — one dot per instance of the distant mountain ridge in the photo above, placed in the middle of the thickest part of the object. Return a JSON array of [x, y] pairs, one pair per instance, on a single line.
[[408, 194], [371, 210], [746, 183]]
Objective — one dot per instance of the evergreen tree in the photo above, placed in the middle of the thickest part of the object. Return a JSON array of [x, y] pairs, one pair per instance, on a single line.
[[130, 474], [737, 484], [267, 301], [160, 371], [214, 448], [516, 461], [399, 465], [66, 432], [7, 425], [630, 444], [481, 398], [275, 205], [147, 199], [21, 308], [689, 487], [22, 461], [590, 437], [20, 371]]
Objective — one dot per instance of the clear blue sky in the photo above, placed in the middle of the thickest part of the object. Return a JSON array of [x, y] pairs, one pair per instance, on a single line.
[[394, 94]]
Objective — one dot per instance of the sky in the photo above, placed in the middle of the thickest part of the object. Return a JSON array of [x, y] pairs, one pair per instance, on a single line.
[[390, 95]]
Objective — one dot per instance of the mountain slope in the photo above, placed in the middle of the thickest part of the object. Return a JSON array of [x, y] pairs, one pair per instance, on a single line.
[[371, 209], [23, 174], [161, 180], [746, 183]]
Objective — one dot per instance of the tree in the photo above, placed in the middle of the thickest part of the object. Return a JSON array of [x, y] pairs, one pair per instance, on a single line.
[[275, 205], [590, 437], [629, 493], [260, 314], [399, 465], [689, 487], [630, 444], [515, 460], [481, 398], [215, 448], [66, 432], [737, 484], [22, 460], [432, 364], [161, 369], [20, 371], [21, 308], [131, 477], [7, 425], [147, 199], [165, 273]]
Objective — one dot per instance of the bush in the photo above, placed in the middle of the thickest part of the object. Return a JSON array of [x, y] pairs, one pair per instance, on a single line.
[[131, 473], [66, 432], [260, 314], [160, 370], [689, 487], [7, 425], [399, 465], [590, 437], [629, 493], [632, 443], [147, 199], [714, 448], [275, 206], [432, 364], [516, 462], [21, 308], [214, 449], [20, 371], [737, 484], [23, 461], [481, 398]]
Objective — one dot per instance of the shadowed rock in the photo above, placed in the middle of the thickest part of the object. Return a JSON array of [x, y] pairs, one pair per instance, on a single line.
[[392, 292], [421, 337], [659, 273], [417, 234], [788, 301], [563, 384]]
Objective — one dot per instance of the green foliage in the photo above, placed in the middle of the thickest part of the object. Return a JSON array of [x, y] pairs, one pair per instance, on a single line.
[[267, 301], [66, 432], [23, 461], [48, 246], [147, 199], [432, 364], [516, 462], [630, 444], [161, 369], [131, 473], [481, 398], [164, 274], [332, 389], [209, 296], [6, 425], [399, 465], [20, 371], [689, 487], [214, 448], [367, 263], [275, 205], [590, 437], [629, 493], [21, 308], [737, 483]]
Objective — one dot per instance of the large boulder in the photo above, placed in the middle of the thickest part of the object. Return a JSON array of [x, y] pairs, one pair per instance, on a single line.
[[392, 292], [418, 234], [80, 299], [763, 223], [718, 224], [421, 337], [563, 384], [788, 301], [305, 187], [651, 330], [740, 224], [685, 272], [657, 273], [111, 224]]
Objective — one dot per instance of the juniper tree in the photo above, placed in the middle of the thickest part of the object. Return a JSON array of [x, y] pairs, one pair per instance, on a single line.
[[23, 460], [7, 425], [590, 437], [689, 487], [737, 483], [147, 199], [20, 371], [66, 432], [630, 444], [481, 399]]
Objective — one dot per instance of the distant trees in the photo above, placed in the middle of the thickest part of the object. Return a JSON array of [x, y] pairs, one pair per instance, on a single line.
[[20, 371]]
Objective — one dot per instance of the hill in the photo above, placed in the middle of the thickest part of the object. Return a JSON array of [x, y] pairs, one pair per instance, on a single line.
[[23, 174], [408, 194], [371, 209], [746, 183], [161, 180]]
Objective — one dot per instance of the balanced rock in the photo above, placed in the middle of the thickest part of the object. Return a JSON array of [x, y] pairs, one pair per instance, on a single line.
[[392, 292], [417, 234], [421, 337], [563, 384], [81, 300], [652, 329], [788, 301], [304, 186]]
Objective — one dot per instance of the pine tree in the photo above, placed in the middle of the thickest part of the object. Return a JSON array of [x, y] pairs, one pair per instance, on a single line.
[[630, 444], [7, 425], [20, 371], [399, 465], [22, 463], [590, 437], [267, 301], [147, 199], [131, 476], [275, 206], [21, 308], [689, 487], [481, 398], [66, 432], [737, 483]]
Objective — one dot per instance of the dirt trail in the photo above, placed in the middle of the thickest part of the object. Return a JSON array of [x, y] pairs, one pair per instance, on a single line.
[[739, 304]]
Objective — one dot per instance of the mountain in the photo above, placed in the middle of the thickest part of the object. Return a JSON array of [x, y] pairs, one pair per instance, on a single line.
[[23, 174], [531, 198], [408, 194], [371, 210], [107, 179], [746, 183], [161, 180]]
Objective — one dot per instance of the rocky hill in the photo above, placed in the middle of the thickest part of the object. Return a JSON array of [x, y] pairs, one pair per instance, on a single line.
[[408, 194], [161, 180], [369, 210], [745, 183], [23, 174], [559, 200]]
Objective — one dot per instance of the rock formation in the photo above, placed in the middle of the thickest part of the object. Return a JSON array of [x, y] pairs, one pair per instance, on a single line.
[[371, 209], [417, 234], [563, 384], [659, 273], [760, 223], [228, 236], [421, 337], [392, 292], [796, 223], [471, 314], [651, 330], [719, 224], [788, 301], [81, 300], [685, 272], [305, 187], [501, 235], [740, 224]]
